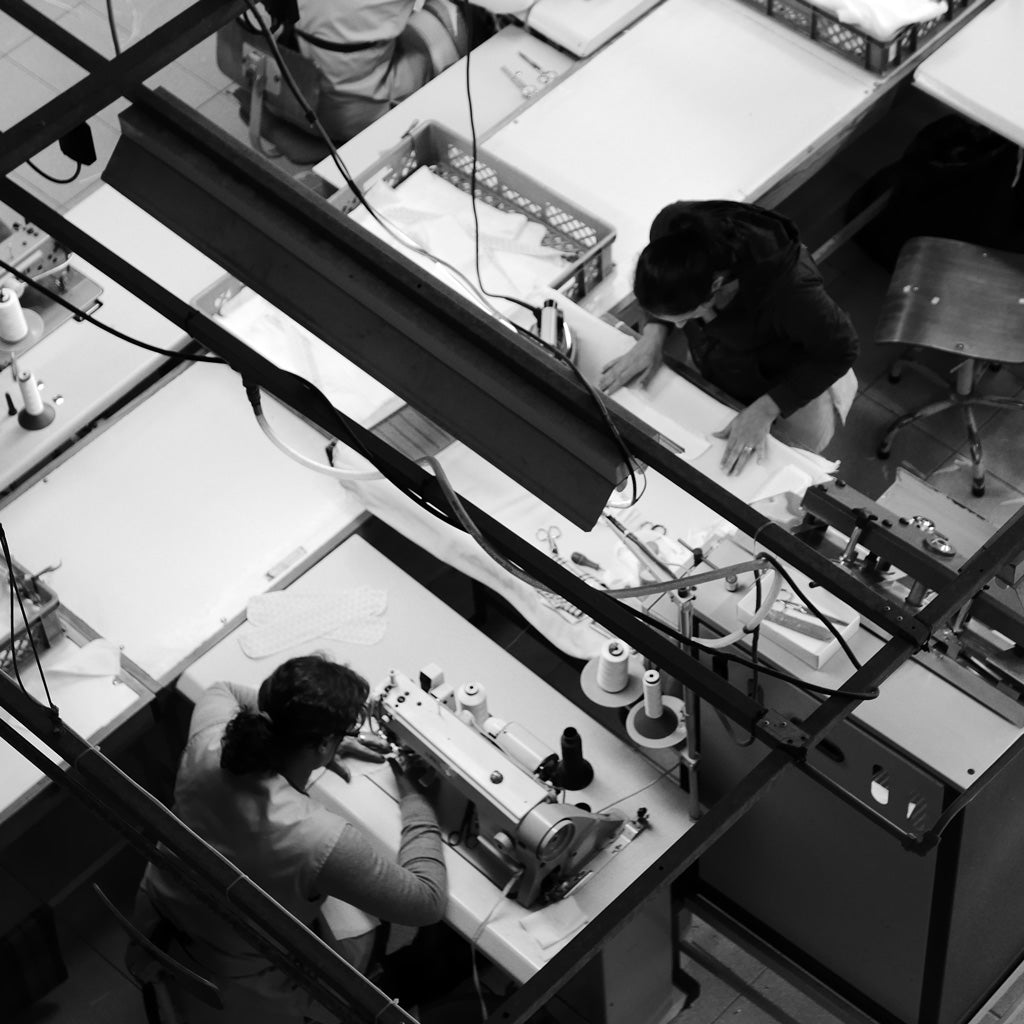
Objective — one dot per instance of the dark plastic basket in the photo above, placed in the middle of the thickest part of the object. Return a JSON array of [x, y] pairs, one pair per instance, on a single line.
[[43, 623], [585, 240], [877, 55]]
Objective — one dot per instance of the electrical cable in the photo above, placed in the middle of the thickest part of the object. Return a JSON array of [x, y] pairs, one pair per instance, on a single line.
[[408, 243], [385, 224], [113, 28], [480, 930], [80, 314], [637, 792], [57, 181], [826, 621], [328, 469], [15, 592], [738, 659]]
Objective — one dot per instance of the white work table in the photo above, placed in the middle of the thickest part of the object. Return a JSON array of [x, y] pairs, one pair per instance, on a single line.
[[175, 515], [92, 701], [495, 99], [421, 629], [980, 72], [701, 99], [85, 366]]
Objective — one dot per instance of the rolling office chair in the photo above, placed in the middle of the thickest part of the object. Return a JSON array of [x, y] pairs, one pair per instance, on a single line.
[[163, 980], [964, 299]]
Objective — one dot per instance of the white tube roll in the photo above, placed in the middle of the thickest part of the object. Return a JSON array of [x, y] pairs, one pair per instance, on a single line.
[[472, 698], [13, 325], [613, 667], [30, 392], [652, 693]]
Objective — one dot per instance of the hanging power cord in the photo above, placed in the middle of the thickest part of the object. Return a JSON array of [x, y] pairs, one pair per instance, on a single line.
[[594, 393], [408, 243], [826, 621], [704, 646], [113, 28], [80, 314], [473, 942], [462, 281], [57, 181], [328, 469], [15, 595]]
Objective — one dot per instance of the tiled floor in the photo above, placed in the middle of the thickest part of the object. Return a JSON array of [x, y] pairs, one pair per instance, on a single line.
[[742, 990]]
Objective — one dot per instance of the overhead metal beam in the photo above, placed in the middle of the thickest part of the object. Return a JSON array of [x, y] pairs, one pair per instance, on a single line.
[[445, 357], [108, 80]]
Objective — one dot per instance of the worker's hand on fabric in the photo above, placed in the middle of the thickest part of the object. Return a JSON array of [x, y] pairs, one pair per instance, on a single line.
[[364, 747], [640, 363], [747, 434]]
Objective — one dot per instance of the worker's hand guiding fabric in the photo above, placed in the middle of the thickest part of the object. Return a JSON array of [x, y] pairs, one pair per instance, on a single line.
[[640, 363], [746, 435]]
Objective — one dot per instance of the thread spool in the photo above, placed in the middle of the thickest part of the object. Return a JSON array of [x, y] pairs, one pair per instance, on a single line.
[[36, 414], [658, 720], [613, 667], [612, 679], [471, 698], [652, 693], [17, 325]]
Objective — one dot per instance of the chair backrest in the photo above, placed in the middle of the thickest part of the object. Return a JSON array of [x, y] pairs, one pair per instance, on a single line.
[[159, 973]]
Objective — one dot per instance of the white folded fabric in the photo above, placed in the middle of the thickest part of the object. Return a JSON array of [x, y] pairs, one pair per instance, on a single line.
[[554, 922]]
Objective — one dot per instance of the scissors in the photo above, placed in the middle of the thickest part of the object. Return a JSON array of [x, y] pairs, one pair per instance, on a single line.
[[550, 534], [526, 90], [543, 76]]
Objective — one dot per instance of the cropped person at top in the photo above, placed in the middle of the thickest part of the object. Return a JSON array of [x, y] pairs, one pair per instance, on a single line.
[[241, 786], [732, 284]]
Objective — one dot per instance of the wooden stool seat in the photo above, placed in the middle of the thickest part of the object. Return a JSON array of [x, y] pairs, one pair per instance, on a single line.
[[960, 298]]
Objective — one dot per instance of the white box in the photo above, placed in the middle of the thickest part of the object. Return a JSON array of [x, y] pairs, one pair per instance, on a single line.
[[800, 642]]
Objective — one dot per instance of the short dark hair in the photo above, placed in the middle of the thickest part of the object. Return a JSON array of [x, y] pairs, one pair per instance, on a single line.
[[301, 703], [676, 270]]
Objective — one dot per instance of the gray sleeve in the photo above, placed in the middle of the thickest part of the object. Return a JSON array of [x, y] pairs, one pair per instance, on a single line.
[[412, 890]]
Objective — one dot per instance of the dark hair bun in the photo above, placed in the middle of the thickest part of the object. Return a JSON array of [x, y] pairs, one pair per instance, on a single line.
[[248, 744]]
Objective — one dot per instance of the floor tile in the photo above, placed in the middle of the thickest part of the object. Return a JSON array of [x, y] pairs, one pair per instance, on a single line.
[[222, 110], [12, 33], [855, 446], [794, 1004], [1000, 501], [201, 60], [177, 79], [22, 94], [716, 996], [737, 961]]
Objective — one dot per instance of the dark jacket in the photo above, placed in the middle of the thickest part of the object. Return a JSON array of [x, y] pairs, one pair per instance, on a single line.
[[782, 334]]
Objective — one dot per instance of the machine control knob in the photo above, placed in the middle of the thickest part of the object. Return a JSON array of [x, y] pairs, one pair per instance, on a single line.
[[497, 777], [503, 841]]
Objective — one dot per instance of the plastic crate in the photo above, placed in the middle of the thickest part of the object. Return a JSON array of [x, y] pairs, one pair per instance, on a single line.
[[41, 609], [571, 230], [877, 55]]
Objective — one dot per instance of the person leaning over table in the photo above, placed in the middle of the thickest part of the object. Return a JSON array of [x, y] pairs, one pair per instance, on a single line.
[[733, 283], [241, 786]]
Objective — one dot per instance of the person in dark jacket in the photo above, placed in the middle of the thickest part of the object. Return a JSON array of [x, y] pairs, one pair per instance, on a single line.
[[732, 284]]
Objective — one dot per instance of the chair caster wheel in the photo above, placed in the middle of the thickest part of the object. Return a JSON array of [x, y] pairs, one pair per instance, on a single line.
[[978, 490], [895, 378], [883, 452]]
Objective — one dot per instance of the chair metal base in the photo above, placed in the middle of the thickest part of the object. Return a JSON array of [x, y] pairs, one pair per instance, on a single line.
[[965, 399]]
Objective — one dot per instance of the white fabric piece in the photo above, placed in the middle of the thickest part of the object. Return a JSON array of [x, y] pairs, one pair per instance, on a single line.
[[281, 620], [438, 217], [882, 19], [98, 658], [693, 445], [345, 921], [287, 344], [555, 922]]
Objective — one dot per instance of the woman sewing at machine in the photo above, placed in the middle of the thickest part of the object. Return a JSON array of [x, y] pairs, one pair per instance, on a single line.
[[730, 286], [242, 785]]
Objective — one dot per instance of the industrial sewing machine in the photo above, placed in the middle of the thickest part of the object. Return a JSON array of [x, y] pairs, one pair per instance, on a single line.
[[496, 792]]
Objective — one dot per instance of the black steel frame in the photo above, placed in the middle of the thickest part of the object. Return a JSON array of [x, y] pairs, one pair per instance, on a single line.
[[176, 143]]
